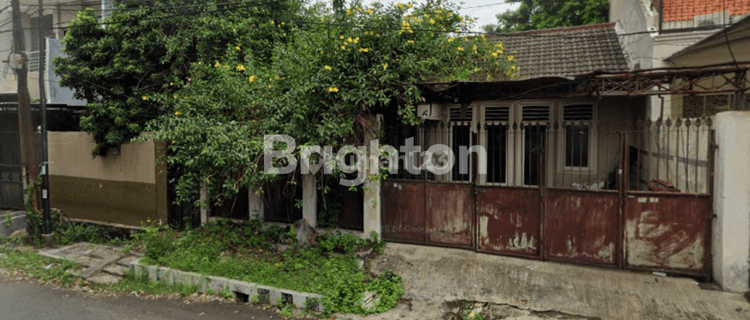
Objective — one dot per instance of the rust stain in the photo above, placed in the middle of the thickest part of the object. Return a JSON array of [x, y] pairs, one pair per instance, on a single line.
[[403, 214], [581, 227], [449, 214], [666, 232], [509, 220]]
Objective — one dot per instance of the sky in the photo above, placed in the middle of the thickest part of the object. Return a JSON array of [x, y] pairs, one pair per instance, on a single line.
[[483, 11]]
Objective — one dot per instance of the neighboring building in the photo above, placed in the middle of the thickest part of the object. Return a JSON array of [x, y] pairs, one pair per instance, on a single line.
[[651, 40], [57, 16]]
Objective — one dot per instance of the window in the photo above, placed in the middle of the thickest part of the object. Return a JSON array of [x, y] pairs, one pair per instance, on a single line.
[[535, 120], [48, 31], [461, 135], [496, 131], [578, 120]]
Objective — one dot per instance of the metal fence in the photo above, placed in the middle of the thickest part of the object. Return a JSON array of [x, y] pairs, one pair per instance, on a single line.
[[669, 155]]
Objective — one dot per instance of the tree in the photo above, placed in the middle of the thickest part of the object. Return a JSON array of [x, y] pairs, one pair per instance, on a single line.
[[314, 75], [543, 14]]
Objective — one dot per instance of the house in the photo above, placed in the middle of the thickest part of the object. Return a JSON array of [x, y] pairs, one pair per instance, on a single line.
[[569, 163]]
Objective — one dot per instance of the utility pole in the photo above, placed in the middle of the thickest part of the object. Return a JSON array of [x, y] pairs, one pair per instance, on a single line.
[[25, 127], [43, 107]]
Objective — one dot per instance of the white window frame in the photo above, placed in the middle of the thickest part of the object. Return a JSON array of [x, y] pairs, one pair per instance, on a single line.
[[519, 139], [593, 140], [509, 144]]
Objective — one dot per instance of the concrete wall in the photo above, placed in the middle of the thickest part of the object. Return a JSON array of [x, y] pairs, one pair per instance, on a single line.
[[123, 189], [731, 227], [634, 16]]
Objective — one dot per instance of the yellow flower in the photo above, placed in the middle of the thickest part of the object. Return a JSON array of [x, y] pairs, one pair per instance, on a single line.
[[235, 30], [251, 79], [276, 77], [171, 83], [410, 41], [240, 67], [470, 19], [173, 142], [144, 98], [271, 21], [332, 89], [322, 19], [328, 67], [343, 47], [409, 5], [426, 15], [432, 21], [385, 66], [269, 86], [349, 39], [175, 96], [341, 37], [348, 11], [450, 39], [494, 54], [217, 64], [471, 314], [237, 47], [474, 48], [510, 58], [401, 5], [356, 39], [177, 113], [460, 49], [513, 67], [368, 11], [418, 20]]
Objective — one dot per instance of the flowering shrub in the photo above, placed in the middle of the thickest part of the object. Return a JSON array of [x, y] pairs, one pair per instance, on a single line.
[[315, 74]]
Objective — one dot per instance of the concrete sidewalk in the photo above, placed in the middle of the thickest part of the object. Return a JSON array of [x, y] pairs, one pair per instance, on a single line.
[[537, 290]]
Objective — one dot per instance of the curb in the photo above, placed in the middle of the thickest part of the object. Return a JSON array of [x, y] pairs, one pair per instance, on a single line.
[[240, 289]]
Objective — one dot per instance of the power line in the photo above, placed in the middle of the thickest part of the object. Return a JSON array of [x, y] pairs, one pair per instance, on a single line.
[[484, 5]]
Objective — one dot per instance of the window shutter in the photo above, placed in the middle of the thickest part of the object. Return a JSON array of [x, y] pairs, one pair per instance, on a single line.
[[461, 114], [578, 112], [535, 113], [496, 114]]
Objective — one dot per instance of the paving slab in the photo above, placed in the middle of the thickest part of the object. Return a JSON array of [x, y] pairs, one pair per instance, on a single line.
[[433, 277], [102, 264]]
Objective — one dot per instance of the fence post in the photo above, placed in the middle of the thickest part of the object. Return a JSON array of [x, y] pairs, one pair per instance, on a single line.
[[255, 205], [372, 201], [309, 200], [730, 245], [206, 203]]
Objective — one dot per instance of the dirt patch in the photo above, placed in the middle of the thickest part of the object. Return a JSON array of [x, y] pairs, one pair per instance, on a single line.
[[458, 310]]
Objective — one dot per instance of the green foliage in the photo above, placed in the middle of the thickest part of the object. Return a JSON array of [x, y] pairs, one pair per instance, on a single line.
[[327, 267], [212, 84], [43, 268], [148, 47], [544, 14]]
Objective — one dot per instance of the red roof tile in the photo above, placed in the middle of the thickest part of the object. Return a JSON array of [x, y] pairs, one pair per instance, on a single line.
[[681, 10]]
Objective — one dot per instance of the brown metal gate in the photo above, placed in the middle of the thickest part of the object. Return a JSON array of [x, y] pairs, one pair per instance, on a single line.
[[629, 216]]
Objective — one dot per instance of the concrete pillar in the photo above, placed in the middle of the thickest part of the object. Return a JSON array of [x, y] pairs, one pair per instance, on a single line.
[[731, 228], [309, 200], [371, 201], [204, 200], [255, 205]]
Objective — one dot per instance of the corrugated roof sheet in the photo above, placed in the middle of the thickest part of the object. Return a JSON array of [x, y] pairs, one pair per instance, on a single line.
[[682, 10], [565, 51]]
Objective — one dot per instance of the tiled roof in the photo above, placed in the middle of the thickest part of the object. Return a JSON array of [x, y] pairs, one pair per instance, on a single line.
[[565, 51], [681, 10]]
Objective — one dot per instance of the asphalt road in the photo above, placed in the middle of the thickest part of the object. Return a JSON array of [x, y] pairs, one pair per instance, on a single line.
[[28, 300]]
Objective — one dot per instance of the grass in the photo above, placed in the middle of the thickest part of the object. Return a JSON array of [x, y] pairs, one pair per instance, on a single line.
[[327, 266], [29, 262], [239, 251]]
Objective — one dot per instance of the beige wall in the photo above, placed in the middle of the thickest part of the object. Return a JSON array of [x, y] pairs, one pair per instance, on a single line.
[[125, 189], [70, 155]]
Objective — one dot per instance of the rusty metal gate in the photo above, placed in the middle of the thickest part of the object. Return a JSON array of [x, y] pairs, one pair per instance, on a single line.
[[621, 195]]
